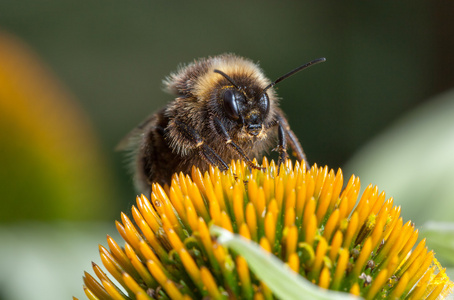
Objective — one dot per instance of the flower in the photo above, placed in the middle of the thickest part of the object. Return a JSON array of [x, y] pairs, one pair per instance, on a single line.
[[303, 217]]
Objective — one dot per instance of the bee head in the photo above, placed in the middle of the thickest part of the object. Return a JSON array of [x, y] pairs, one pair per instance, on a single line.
[[248, 106]]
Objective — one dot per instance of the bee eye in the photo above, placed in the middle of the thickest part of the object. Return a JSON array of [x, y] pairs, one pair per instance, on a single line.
[[230, 104], [264, 104]]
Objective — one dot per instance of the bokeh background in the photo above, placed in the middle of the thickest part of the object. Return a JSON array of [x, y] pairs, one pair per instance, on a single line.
[[76, 76]]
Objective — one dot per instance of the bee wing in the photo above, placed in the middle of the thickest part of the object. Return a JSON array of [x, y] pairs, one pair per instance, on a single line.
[[135, 135]]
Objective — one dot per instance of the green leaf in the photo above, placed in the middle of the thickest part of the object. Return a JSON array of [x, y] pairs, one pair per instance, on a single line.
[[284, 283]]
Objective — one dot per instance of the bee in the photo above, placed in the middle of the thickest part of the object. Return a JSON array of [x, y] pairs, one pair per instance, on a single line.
[[225, 108]]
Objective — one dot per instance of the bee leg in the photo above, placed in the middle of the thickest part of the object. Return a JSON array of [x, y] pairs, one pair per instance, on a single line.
[[297, 149], [281, 147], [212, 158], [205, 151], [228, 140]]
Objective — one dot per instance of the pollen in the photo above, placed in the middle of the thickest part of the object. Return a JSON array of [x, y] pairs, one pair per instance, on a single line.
[[336, 238]]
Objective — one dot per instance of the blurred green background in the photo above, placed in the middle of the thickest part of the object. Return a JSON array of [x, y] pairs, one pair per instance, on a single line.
[[79, 75]]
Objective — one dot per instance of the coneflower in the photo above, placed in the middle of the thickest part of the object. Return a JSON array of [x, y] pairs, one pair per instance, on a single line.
[[303, 217]]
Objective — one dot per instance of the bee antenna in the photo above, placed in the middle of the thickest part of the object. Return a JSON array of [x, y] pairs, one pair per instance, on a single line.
[[306, 65], [228, 78]]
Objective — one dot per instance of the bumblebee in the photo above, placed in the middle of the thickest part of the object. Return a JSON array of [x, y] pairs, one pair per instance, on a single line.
[[225, 108]]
